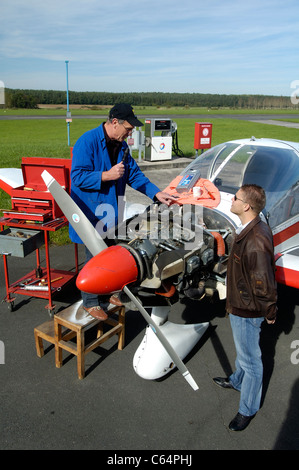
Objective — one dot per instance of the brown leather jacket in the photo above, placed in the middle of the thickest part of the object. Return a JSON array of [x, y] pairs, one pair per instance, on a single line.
[[251, 285]]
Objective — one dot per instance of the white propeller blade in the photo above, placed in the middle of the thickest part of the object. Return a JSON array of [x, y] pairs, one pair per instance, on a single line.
[[75, 216], [158, 332]]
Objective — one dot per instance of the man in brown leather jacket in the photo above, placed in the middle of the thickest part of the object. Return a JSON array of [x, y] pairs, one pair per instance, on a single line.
[[251, 298]]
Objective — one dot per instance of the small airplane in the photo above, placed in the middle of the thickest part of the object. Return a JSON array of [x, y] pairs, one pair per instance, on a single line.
[[182, 250], [161, 254]]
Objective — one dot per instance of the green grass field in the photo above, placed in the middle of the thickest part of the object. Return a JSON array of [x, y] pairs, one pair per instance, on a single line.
[[48, 137]]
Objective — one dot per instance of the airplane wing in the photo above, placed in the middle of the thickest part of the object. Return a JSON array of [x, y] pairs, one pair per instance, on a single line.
[[287, 267], [10, 178]]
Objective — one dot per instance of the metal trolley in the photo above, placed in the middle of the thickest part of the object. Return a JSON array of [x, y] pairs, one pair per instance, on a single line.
[[26, 228]]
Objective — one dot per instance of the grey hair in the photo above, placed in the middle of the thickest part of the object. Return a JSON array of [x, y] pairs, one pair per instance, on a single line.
[[120, 121]]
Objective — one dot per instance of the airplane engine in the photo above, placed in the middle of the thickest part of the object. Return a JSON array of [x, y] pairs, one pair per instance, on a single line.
[[161, 251]]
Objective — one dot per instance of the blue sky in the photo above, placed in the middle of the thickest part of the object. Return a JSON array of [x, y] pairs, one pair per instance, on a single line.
[[192, 46]]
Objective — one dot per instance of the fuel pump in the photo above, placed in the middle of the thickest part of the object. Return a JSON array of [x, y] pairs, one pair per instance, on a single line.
[[158, 145]]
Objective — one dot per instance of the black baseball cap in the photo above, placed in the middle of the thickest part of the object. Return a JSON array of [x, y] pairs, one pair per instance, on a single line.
[[125, 111]]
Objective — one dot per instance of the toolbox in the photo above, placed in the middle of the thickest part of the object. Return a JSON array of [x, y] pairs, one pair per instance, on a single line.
[[32, 200], [20, 242]]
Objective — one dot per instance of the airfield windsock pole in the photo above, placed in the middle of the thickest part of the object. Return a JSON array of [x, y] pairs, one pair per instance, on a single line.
[[68, 114]]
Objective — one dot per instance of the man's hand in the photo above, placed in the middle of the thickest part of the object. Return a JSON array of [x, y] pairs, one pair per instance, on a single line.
[[116, 172], [165, 198]]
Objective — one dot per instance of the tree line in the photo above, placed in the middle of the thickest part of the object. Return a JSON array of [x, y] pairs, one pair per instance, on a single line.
[[17, 98]]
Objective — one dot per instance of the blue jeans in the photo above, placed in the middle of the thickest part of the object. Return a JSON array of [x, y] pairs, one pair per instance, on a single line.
[[248, 376], [89, 300]]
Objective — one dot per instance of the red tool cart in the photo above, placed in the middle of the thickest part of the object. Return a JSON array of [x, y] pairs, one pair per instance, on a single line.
[[34, 214]]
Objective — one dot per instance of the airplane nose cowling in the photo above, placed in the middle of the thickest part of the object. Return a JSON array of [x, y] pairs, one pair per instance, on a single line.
[[107, 272]]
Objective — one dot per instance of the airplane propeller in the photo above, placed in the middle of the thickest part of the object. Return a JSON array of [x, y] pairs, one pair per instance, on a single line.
[[75, 216], [95, 244]]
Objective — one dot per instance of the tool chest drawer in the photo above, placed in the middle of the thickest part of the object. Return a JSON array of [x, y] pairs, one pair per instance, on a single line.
[[33, 195], [20, 242]]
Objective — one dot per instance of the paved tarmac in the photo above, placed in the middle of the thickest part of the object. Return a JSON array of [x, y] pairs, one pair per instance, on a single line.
[[247, 117], [113, 409]]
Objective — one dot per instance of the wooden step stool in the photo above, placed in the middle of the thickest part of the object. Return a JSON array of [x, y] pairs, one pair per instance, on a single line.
[[72, 322]]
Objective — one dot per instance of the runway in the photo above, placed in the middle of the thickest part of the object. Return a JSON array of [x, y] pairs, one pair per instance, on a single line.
[[245, 117]]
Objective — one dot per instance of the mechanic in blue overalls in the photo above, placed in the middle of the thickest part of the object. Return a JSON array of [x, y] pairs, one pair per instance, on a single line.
[[99, 176]]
